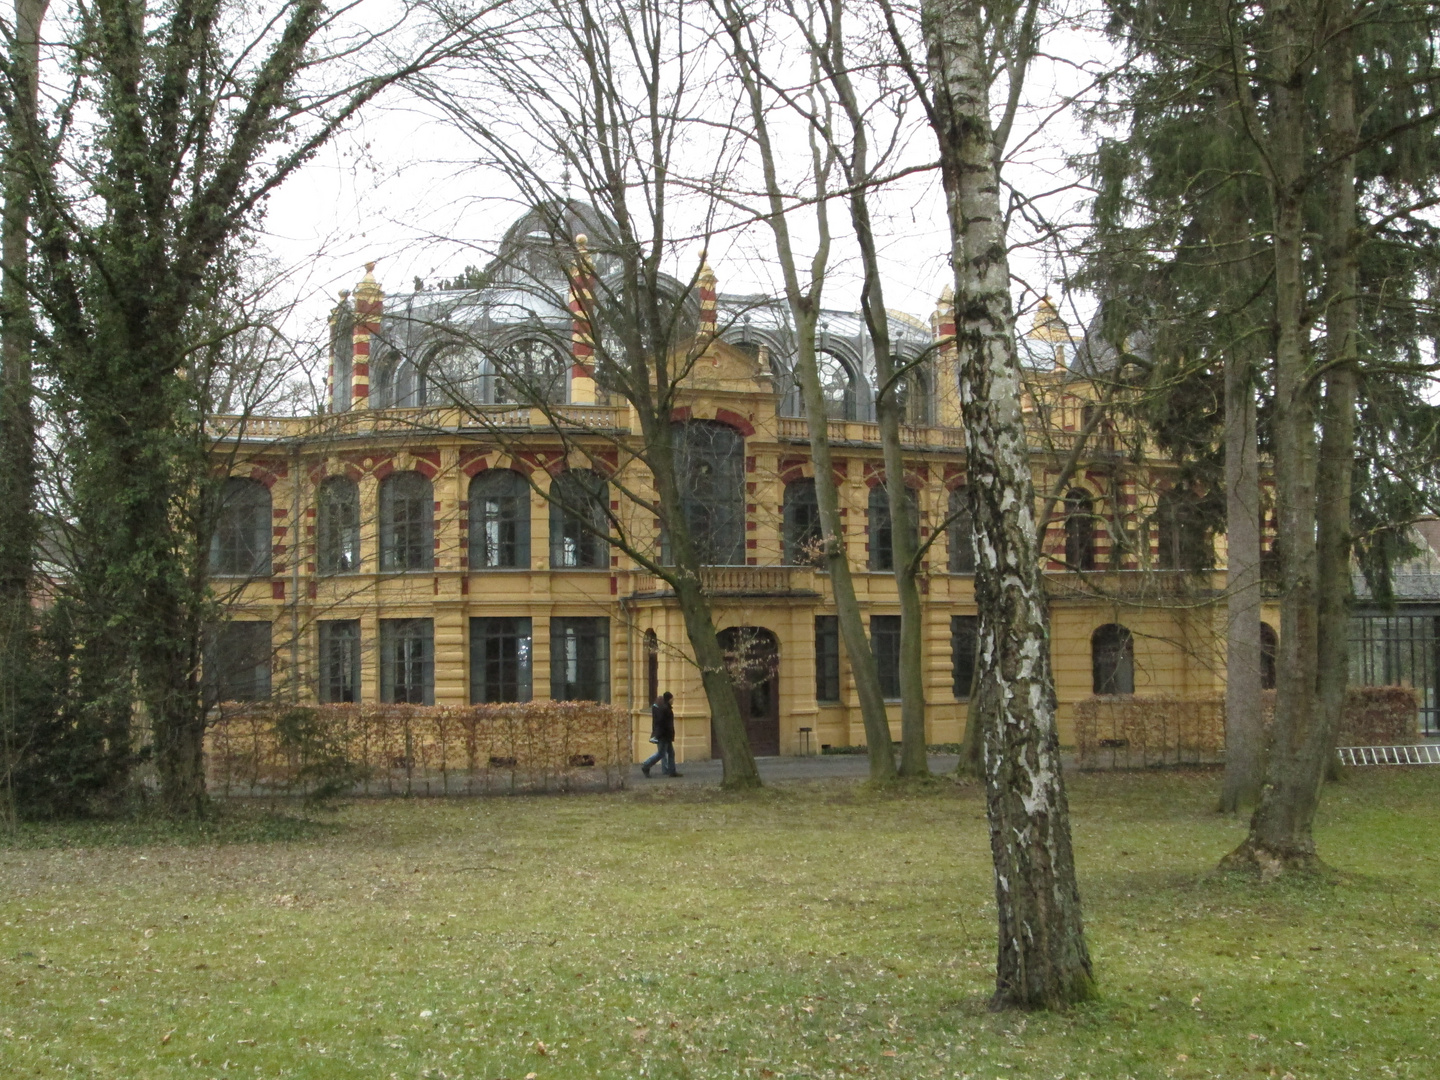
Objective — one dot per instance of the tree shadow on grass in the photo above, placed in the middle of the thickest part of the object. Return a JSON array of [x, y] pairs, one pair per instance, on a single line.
[[230, 823]]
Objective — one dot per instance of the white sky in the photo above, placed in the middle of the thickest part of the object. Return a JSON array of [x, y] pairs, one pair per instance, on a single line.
[[399, 188]]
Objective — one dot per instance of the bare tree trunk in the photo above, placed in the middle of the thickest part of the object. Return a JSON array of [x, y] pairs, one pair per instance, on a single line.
[[1043, 960], [805, 311], [1244, 734], [18, 532], [1280, 835]]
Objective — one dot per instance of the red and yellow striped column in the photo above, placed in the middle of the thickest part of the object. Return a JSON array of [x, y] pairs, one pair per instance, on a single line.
[[369, 305]]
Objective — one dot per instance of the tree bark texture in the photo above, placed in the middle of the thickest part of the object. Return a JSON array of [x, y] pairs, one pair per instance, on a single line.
[[1043, 961]]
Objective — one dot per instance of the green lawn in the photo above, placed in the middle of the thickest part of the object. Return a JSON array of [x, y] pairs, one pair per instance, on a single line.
[[816, 929]]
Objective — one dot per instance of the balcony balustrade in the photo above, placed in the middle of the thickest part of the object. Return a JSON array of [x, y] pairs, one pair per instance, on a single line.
[[737, 581]]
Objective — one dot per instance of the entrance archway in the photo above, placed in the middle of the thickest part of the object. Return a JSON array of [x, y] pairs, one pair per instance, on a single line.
[[752, 655]]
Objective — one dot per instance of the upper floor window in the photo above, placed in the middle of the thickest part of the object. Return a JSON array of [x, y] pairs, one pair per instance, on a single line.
[[530, 371], [1112, 660], [1079, 530], [802, 524], [337, 526], [499, 520], [579, 520], [916, 400], [882, 530], [240, 544], [961, 535], [1184, 540], [837, 386], [407, 522], [710, 468]]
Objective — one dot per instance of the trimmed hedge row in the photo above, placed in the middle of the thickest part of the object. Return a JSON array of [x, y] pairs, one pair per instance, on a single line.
[[1134, 731], [325, 750]]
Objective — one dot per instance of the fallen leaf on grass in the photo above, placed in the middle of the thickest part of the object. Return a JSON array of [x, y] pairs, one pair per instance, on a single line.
[[639, 1034], [541, 1048], [887, 1053], [1182, 1057], [165, 1039]]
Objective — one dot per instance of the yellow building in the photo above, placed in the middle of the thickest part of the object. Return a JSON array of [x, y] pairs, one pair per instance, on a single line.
[[398, 547]]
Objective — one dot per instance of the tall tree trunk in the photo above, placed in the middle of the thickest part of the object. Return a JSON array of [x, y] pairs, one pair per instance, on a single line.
[[18, 533], [1244, 732], [805, 311], [1043, 960], [1280, 835]]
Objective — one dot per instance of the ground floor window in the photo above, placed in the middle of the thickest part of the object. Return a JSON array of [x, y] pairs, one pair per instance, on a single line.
[[580, 659], [339, 661], [237, 661], [407, 661], [885, 644], [964, 646], [499, 660], [1112, 660], [827, 658]]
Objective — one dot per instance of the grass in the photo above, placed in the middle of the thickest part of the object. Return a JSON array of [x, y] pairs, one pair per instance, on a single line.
[[813, 930]]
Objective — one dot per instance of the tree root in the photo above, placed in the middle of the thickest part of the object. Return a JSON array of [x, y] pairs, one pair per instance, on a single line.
[[1270, 864]]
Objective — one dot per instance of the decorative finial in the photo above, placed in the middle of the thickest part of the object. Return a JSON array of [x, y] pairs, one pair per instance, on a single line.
[[344, 294], [581, 240], [369, 267], [947, 295]]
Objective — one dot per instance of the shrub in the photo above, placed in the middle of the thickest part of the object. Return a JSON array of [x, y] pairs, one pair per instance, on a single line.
[[325, 750]]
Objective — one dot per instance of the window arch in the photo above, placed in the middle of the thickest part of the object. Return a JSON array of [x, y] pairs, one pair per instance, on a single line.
[[240, 545], [1112, 660], [1079, 530], [837, 385], [407, 522], [882, 531], [1269, 655], [579, 520], [529, 370], [802, 524], [337, 526], [961, 536], [499, 520], [710, 467]]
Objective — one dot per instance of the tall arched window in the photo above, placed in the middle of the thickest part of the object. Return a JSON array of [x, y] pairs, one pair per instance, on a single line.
[[408, 388], [837, 385], [802, 524], [240, 544], [337, 526], [499, 520], [528, 372], [1112, 660], [961, 535], [882, 531], [1269, 654], [710, 467], [916, 400], [579, 521], [407, 522], [1079, 530], [1183, 541]]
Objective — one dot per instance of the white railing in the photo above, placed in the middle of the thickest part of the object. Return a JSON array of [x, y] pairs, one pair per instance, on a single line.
[[1423, 754], [864, 431], [370, 421]]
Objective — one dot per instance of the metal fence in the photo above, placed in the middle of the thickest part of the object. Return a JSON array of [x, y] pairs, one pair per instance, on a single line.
[[1401, 649]]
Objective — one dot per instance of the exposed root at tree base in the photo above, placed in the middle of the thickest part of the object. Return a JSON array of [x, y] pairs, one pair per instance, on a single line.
[[1270, 864]]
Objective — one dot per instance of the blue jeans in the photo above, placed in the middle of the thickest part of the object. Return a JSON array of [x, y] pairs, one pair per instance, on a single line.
[[665, 750]]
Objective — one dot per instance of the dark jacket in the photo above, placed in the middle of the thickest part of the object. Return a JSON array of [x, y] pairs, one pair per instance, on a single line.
[[662, 721]]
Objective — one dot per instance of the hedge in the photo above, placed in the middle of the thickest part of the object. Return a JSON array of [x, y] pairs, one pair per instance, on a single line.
[[321, 750], [1134, 731]]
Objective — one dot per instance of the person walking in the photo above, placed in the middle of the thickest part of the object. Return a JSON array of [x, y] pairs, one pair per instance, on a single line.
[[662, 734]]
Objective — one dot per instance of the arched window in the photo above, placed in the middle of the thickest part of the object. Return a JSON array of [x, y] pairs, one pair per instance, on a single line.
[[837, 386], [1269, 653], [579, 521], [499, 520], [961, 535], [882, 531], [408, 386], [1079, 530], [915, 399], [407, 522], [802, 524], [530, 371], [452, 376], [1183, 541], [1112, 660], [710, 467], [240, 545], [786, 382], [337, 526]]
